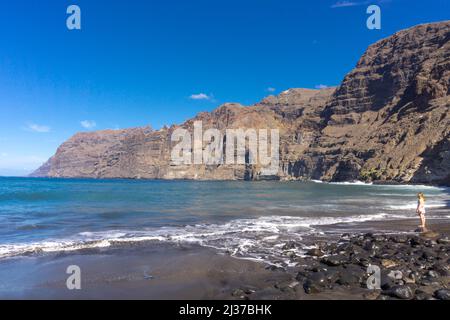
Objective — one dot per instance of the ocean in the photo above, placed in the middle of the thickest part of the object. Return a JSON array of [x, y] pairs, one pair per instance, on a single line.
[[249, 220]]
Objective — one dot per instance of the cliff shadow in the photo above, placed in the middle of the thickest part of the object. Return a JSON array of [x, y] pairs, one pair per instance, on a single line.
[[435, 168]]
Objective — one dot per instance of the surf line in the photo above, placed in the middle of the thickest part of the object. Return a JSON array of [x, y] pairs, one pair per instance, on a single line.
[[196, 311]]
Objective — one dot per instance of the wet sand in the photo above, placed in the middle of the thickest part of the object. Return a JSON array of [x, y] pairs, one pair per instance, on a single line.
[[152, 272], [165, 271]]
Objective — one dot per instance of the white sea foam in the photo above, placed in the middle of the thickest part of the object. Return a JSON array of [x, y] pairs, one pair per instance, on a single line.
[[260, 239], [413, 205], [355, 183], [417, 187]]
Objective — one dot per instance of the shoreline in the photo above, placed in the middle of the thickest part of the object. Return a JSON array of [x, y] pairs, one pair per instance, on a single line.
[[178, 272]]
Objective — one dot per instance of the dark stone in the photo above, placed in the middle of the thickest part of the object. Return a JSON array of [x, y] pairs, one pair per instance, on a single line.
[[429, 282], [315, 253], [332, 275], [415, 241], [238, 293], [361, 259], [423, 296], [249, 290], [331, 247], [395, 275], [346, 236], [274, 268], [287, 287], [410, 277], [442, 270], [442, 294], [428, 255], [348, 279], [445, 240], [379, 238], [318, 269], [334, 260], [370, 246], [399, 239], [368, 236], [401, 292], [386, 281], [346, 248], [318, 278], [302, 275], [310, 287], [432, 274], [430, 243]]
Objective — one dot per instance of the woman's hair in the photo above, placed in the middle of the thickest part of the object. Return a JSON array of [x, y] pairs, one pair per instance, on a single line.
[[421, 196]]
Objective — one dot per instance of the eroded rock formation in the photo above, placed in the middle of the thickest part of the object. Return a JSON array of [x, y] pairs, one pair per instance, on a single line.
[[389, 120]]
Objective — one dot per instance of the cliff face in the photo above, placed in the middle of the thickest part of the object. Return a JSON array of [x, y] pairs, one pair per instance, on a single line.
[[388, 120]]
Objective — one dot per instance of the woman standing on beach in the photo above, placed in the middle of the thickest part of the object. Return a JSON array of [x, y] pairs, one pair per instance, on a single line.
[[421, 210]]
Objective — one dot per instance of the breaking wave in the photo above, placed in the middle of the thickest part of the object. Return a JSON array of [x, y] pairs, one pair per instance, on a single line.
[[258, 239]]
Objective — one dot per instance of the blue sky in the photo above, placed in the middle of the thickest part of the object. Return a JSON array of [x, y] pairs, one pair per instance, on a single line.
[[137, 63]]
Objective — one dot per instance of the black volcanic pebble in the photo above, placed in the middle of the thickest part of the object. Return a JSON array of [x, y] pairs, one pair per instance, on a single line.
[[315, 253], [368, 236], [401, 292], [442, 294], [428, 254], [445, 240], [369, 246], [429, 282], [423, 296], [386, 281], [332, 275], [430, 243], [432, 274], [239, 293], [415, 241], [334, 260], [442, 270], [348, 278], [311, 287], [346, 236], [399, 239], [275, 268], [380, 238], [361, 259], [318, 278], [422, 263]]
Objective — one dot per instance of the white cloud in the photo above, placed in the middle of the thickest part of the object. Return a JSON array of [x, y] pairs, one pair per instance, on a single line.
[[270, 89], [38, 128], [3, 154], [88, 124], [200, 96], [343, 4], [321, 86]]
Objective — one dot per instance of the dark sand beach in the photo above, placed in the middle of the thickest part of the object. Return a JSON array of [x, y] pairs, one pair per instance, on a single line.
[[164, 271]]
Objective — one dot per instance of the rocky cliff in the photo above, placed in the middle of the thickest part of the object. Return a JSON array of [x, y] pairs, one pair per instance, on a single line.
[[389, 120]]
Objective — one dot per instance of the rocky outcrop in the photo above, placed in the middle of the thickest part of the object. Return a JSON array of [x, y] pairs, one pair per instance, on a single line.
[[389, 120]]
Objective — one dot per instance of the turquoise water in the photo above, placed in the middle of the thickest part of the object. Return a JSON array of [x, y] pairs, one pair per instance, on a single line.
[[245, 218]]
